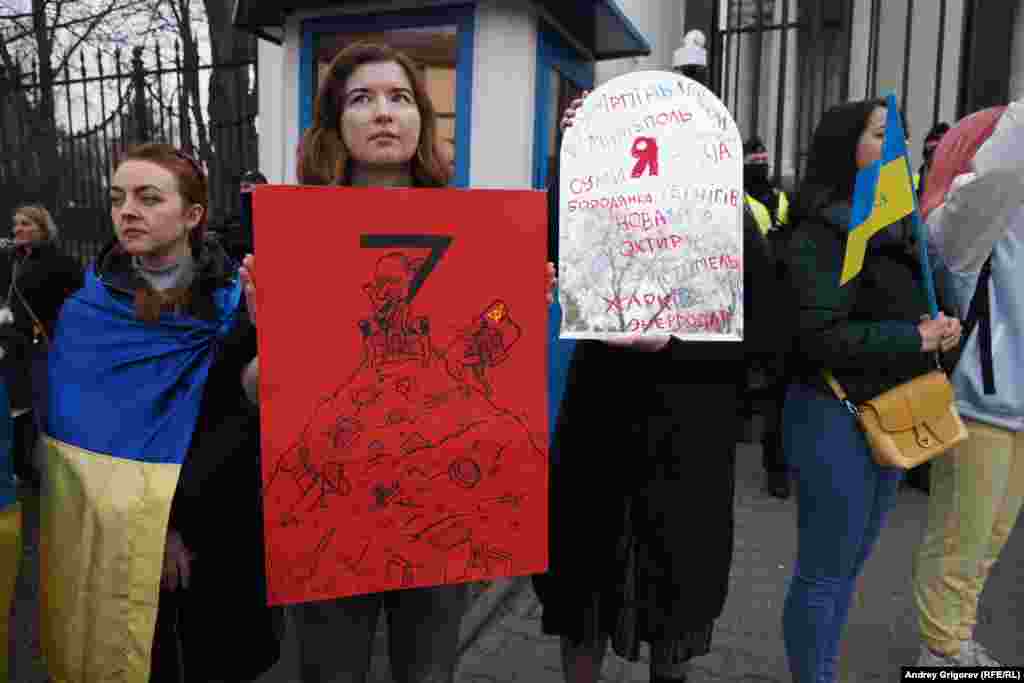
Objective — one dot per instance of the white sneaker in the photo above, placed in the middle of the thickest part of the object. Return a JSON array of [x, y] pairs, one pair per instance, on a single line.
[[929, 658], [976, 654]]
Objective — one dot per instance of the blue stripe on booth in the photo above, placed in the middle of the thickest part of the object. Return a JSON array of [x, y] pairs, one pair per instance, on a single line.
[[559, 355]]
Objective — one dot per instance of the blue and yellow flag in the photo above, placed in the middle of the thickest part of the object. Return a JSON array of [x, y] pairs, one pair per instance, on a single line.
[[884, 194], [124, 399]]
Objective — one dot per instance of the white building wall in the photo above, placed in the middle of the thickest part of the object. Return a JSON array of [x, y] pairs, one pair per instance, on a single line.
[[772, 76], [288, 91], [270, 124], [278, 118], [920, 108], [661, 22], [504, 93]]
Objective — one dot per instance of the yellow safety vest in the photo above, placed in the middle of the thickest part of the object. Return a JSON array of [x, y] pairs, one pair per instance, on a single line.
[[764, 217]]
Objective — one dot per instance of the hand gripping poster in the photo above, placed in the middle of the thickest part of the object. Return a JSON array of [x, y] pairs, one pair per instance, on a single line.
[[651, 213], [402, 387]]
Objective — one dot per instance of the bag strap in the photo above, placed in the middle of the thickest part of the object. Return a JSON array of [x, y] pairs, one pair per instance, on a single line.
[[24, 302], [840, 393], [979, 314]]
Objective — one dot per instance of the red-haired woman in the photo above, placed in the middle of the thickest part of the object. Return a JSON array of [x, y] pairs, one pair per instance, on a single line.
[[151, 535], [974, 206]]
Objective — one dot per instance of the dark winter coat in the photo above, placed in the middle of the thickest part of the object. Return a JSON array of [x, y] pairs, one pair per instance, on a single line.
[[226, 630], [866, 331], [643, 458], [45, 278]]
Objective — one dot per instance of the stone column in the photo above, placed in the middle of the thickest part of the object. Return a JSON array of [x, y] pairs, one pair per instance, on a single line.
[[1017, 56]]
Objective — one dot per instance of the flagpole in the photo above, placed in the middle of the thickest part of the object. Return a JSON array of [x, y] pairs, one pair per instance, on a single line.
[[926, 264], [920, 231]]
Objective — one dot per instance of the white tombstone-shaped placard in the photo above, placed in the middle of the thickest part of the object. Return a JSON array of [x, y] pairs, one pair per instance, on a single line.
[[651, 213]]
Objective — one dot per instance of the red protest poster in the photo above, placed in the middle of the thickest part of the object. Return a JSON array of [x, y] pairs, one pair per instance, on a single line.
[[403, 387]]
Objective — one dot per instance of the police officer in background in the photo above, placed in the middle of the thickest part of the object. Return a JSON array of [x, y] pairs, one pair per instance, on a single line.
[[770, 208], [769, 204]]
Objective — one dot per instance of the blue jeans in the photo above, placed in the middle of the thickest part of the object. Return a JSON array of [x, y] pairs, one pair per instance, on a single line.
[[843, 498]]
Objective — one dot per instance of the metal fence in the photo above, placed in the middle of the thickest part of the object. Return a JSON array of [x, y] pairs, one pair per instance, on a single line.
[[780, 64], [61, 132]]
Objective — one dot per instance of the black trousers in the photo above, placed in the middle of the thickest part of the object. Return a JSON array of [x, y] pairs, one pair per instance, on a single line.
[[772, 456], [23, 448]]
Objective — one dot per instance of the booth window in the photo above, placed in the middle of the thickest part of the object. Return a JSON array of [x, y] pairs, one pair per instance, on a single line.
[[440, 43], [562, 76], [562, 92]]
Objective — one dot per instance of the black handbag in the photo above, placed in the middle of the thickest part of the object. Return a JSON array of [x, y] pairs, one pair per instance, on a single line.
[[978, 315]]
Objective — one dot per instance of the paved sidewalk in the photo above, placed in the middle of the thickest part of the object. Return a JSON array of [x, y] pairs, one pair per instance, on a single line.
[[508, 646], [747, 645]]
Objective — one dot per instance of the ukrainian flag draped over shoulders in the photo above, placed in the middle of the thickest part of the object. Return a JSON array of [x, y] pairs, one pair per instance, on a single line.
[[884, 194], [124, 399]]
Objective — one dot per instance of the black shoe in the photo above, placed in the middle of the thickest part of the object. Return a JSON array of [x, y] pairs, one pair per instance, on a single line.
[[777, 484], [918, 478]]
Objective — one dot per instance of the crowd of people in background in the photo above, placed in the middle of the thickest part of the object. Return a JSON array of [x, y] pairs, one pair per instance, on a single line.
[[622, 573]]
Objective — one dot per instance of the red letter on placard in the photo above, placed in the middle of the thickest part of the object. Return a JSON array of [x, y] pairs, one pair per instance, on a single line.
[[645, 151]]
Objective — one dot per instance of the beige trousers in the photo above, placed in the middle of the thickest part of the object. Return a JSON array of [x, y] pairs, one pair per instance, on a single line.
[[976, 494]]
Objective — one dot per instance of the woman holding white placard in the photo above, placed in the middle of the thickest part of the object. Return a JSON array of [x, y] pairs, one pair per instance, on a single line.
[[642, 482]]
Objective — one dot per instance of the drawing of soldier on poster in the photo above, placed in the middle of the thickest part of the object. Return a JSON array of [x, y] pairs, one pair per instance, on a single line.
[[405, 442]]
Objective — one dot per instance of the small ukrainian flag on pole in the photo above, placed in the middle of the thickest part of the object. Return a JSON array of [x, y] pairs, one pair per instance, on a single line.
[[884, 194]]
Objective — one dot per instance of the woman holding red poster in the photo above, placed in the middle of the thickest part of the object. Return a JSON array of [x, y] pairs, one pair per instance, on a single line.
[[375, 126]]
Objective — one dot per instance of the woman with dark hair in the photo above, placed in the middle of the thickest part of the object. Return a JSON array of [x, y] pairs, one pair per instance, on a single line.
[[354, 140], [152, 529], [374, 125], [41, 277], [873, 334]]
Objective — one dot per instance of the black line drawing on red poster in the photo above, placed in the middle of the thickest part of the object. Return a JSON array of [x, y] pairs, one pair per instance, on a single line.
[[415, 436]]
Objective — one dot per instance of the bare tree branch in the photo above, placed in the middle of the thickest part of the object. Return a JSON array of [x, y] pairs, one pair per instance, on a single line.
[[58, 10], [10, 62], [93, 23], [27, 32]]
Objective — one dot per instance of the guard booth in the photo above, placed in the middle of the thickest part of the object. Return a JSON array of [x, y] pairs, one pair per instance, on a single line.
[[500, 72]]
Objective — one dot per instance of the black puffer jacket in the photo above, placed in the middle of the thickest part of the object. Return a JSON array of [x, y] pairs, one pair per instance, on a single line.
[[43, 279]]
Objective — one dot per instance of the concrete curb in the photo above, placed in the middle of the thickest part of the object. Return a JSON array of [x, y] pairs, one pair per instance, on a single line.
[[486, 609]]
